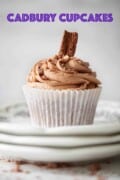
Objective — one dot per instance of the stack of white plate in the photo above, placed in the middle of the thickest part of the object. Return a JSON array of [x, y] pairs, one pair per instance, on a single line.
[[20, 141]]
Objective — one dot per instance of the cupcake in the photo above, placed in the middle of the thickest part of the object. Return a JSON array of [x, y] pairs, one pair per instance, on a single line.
[[62, 90]]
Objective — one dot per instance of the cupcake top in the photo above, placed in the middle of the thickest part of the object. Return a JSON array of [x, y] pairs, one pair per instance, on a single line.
[[63, 71]]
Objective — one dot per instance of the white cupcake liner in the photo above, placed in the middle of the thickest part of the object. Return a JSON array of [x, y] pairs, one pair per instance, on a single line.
[[52, 108]]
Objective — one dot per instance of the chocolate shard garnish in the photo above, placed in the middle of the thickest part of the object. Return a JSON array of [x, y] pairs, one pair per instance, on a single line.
[[69, 42]]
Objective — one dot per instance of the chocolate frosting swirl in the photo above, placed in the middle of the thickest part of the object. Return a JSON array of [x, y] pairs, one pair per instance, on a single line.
[[62, 72]]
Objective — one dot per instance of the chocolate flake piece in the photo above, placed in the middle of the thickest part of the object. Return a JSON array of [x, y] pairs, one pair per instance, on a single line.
[[17, 167], [94, 168], [69, 42]]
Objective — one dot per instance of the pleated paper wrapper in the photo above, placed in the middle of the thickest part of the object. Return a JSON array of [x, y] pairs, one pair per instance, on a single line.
[[53, 108]]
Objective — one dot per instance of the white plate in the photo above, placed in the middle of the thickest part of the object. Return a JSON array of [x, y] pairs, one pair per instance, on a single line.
[[59, 141], [18, 140], [58, 154], [26, 129]]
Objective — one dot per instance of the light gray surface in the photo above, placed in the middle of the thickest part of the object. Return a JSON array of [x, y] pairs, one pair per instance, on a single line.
[[109, 170], [21, 45]]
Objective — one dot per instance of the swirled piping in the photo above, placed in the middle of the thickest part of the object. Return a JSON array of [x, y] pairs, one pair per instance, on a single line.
[[62, 72]]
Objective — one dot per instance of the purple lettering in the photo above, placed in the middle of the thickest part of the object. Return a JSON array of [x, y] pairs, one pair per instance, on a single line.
[[69, 17], [18, 18], [10, 17], [39, 17], [62, 17], [46, 18], [91, 18], [25, 17], [32, 17], [98, 18], [107, 18], [83, 17], [76, 17], [53, 17], [110, 17]]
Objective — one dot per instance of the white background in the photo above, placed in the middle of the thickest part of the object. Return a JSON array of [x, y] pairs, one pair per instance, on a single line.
[[22, 44]]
